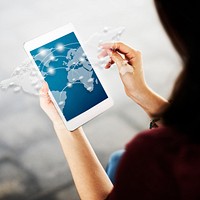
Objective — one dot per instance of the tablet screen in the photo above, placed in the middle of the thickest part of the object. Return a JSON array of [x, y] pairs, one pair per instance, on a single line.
[[69, 74]]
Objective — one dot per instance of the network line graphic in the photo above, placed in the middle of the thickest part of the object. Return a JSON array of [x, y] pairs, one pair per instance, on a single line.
[[25, 76], [73, 61]]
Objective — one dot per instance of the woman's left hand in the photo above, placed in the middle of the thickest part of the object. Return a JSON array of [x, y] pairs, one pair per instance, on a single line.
[[49, 108]]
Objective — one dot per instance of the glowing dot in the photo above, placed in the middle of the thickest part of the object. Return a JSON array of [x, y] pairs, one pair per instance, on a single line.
[[17, 89], [43, 52], [52, 58], [11, 83], [17, 69], [61, 103], [73, 79], [80, 77], [90, 80], [89, 88], [51, 70], [60, 47], [3, 87], [105, 30], [81, 59], [69, 85]]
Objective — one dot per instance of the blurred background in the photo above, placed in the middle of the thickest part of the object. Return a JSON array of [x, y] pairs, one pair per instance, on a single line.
[[32, 164]]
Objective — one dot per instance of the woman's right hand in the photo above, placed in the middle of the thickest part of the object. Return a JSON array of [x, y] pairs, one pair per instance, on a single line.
[[129, 63]]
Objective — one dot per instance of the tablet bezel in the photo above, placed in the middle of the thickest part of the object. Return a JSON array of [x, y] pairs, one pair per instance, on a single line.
[[88, 115]]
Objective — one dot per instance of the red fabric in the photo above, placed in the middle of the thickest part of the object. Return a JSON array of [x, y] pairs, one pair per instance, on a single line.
[[159, 164]]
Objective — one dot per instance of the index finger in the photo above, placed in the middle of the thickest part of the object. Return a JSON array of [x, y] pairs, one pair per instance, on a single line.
[[122, 48]]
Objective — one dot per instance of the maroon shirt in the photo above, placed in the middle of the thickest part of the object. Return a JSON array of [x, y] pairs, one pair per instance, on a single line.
[[159, 164]]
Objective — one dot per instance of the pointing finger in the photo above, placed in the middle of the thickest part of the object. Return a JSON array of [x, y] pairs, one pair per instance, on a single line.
[[122, 48]]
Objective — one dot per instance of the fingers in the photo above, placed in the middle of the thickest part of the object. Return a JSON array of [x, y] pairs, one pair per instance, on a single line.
[[44, 89], [108, 65], [48, 106], [122, 48], [103, 53], [44, 96], [115, 57], [122, 64]]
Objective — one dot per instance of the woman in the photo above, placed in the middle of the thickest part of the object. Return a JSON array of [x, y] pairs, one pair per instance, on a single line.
[[159, 163]]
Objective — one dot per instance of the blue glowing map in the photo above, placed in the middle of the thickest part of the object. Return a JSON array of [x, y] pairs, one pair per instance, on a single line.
[[69, 74]]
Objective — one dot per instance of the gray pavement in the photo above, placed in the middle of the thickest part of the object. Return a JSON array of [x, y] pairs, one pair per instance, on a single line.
[[32, 164]]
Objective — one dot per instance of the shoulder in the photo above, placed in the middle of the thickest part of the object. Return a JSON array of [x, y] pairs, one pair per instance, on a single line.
[[156, 146], [149, 147], [143, 167], [152, 136]]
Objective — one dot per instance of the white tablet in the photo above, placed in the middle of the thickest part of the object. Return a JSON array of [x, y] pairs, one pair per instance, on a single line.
[[76, 91]]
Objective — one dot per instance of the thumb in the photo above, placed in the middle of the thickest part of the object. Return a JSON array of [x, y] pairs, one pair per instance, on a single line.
[[44, 96], [44, 89]]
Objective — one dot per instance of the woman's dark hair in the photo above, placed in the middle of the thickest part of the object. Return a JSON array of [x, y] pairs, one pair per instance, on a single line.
[[180, 20]]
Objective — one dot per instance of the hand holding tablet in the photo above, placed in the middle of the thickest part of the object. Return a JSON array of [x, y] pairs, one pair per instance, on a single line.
[[74, 87]]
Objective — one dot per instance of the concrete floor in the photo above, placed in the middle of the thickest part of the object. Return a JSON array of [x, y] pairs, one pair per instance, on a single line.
[[32, 165]]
